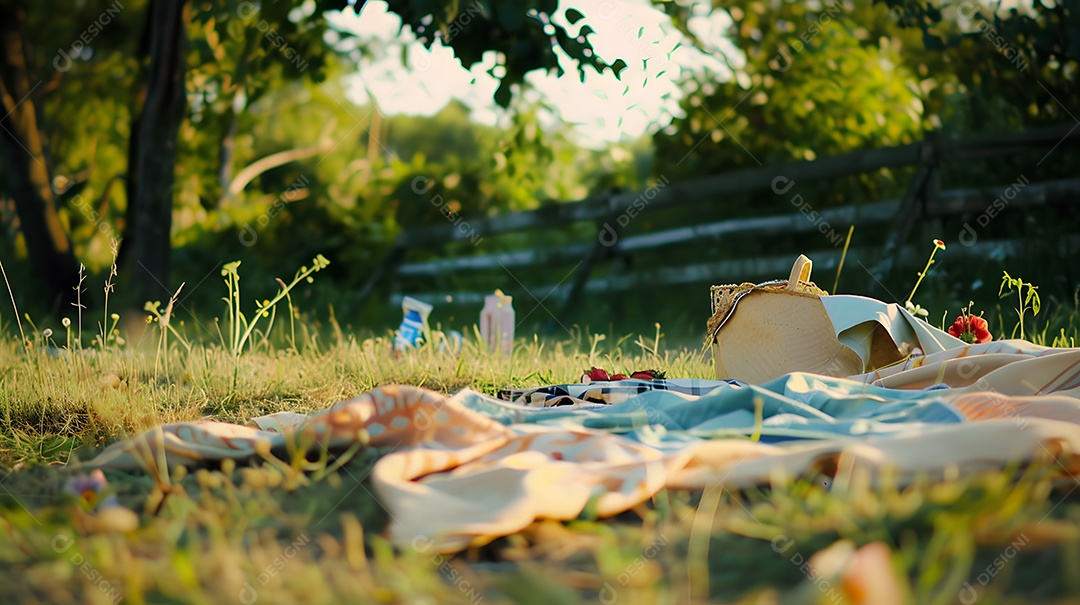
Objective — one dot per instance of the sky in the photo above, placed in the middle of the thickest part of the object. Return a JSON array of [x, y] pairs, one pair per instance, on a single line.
[[600, 109]]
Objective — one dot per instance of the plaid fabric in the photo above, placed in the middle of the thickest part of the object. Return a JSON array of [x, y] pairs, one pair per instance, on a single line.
[[617, 391]]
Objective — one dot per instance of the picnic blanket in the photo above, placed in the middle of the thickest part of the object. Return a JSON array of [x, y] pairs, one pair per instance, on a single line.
[[462, 470]]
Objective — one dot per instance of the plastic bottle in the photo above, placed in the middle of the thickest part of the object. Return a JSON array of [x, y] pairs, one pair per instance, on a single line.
[[497, 322], [413, 325]]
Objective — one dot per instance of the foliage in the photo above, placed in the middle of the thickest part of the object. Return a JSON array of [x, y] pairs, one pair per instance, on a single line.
[[807, 82], [240, 327], [1030, 301], [521, 33], [997, 53], [243, 60], [345, 184]]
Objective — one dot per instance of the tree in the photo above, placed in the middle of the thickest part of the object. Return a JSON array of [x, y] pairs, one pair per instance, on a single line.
[[202, 64], [811, 82], [153, 148], [1016, 66], [24, 148], [822, 79]]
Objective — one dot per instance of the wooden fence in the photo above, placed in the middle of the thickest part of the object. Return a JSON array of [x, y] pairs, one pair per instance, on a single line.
[[615, 214]]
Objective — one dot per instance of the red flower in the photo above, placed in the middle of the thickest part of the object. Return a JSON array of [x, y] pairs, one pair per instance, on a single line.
[[971, 329]]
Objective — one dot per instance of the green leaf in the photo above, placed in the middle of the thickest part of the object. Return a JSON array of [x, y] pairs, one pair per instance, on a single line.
[[235, 29], [573, 15], [503, 94], [511, 17], [932, 42], [617, 68]]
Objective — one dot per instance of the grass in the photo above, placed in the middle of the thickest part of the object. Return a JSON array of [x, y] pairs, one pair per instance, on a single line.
[[273, 533]]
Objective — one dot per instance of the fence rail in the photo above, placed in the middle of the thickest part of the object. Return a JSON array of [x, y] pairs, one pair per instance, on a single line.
[[921, 202]]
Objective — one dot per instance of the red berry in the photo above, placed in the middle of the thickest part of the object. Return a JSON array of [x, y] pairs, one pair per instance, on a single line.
[[597, 374]]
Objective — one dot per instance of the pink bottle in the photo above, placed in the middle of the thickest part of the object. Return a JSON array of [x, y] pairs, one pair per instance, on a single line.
[[497, 322]]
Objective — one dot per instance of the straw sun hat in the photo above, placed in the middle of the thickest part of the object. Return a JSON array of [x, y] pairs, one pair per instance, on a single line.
[[762, 331]]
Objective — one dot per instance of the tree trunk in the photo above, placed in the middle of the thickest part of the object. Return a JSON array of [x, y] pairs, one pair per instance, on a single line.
[[226, 151], [24, 150], [150, 210]]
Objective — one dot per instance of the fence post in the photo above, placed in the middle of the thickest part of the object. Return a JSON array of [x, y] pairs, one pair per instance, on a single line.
[[911, 208], [931, 194], [388, 266], [607, 238]]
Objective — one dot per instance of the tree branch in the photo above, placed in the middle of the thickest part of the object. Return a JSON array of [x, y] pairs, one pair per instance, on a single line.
[[254, 169]]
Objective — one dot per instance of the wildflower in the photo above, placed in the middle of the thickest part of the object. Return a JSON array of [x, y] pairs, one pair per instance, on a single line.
[[47, 333], [938, 245], [66, 322], [971, 329], [89, 489], [915, 309]]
